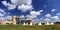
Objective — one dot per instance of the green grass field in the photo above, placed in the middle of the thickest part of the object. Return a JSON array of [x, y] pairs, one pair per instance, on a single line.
[[36, 27]]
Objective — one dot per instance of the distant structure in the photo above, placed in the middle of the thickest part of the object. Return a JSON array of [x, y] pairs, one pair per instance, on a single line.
[[40, 23], [14, 20], [17, 20], [27, 22], [5, 22], [49, 23]]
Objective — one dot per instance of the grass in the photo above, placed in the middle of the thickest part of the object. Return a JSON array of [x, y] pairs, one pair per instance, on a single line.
[[35, 27]]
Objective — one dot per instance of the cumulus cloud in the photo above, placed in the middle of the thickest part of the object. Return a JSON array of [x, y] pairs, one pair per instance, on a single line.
[[35, 13], [30, 16], [25, 7], [47, 19], [47, 15], [27, 15], [41, 18], [4, 3], [53, 10], [19, 2], [50, 18], [33, 16], [41, 11], [55, 17], [8, 5], [6, 18], [11, 6], [9, 17], [2, 18], [2, 12], [58, 14], [22, 16]]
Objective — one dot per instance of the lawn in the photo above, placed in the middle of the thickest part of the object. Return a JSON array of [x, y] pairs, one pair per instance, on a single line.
[[35, 27]]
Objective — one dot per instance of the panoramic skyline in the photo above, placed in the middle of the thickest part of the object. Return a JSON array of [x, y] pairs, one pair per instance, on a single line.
[[38, 10]]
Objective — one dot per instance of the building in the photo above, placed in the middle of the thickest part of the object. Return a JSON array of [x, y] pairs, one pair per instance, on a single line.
[[5, 22], [40, 23], [14, 20], [49, 23], [26, 22], [17, 20]]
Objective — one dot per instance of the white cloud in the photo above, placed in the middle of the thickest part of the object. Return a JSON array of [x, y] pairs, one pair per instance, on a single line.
[[31, 16], [19, 2], [58, 14], [27, 15], [8, 5], [25, 7], [47, 19], [9, 17], [6, 18], [53, 10], [22, 16], [4, 3], [41, 11], [47, 15], [34, 13], [2, 12], [41, 18], [2, 18], [55, 17], [11, 6]]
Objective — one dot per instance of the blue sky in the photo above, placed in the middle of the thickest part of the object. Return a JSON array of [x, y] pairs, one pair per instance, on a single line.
[[36, 9]]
